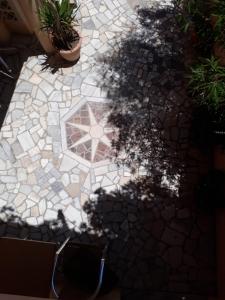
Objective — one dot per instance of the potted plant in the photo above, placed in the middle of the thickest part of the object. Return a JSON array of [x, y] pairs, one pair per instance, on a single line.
[[57, 18], [207, 85]]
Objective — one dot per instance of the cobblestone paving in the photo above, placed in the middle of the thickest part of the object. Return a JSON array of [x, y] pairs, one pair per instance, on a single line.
[[55, 153]]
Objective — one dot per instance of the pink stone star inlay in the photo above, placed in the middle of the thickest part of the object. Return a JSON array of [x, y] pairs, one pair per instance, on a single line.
[[88, 133]]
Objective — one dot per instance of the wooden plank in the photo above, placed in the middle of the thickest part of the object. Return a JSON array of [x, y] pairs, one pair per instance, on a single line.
[[16, 297], [26, 267]]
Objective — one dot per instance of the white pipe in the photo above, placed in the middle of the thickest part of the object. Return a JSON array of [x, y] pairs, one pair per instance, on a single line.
[[102, 265], [55, 264]]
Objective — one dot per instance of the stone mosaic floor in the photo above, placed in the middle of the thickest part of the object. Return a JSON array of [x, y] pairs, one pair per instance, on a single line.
[[55, 140], [55, 152]]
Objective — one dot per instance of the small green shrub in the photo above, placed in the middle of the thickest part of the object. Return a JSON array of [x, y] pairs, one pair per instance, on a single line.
[[207, 84], [57, 18], [219, 29]]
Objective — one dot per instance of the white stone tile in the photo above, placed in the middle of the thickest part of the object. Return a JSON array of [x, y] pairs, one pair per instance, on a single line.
[[2, 164], [74, 178], [42, 206], [41, 144], [26, 141], [32, 221], [87, 183], [46, 87], [96, 186], [53, 118], [73, 215], [21, 208], [44, 162], [2, 202], [30, 203], [34, 197], [63, 195], [50, 215], [49, 204], [8, 179], [65, 179], [101, 170], [26, 214], [106, 182], [110, 188], [83, 168], [67, 164], [21, 174]]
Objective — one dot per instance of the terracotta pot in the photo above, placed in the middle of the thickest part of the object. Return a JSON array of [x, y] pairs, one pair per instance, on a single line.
[[73, 54], [213, 20]]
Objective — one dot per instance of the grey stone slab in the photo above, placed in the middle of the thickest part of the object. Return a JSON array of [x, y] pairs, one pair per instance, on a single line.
[[57, 186], [89, 24], [77, 81], [97, 4], [17, 149], [54, 132], [29, 124], [2, 153], [39, 173], [55, 173], [8, 151]]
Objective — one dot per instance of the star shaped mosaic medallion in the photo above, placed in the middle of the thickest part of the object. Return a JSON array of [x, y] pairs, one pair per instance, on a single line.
[[88, 133]]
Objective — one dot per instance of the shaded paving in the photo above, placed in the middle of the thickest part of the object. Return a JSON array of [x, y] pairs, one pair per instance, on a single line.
[[160, 245]]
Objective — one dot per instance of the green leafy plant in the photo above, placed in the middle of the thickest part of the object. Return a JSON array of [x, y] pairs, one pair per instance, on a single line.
[[207, 84], [218, 12], [193, 17], [186, 12], [57, 18]]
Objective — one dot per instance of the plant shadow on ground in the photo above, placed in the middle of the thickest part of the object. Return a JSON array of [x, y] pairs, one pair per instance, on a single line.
[[144, 80], [14, 55], [160, 246], [54, 62]]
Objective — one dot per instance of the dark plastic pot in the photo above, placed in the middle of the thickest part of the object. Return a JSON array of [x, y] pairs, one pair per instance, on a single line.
[[81, 267]]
